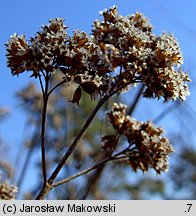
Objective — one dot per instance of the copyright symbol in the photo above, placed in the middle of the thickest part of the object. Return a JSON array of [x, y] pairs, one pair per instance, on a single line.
[[9, 208]]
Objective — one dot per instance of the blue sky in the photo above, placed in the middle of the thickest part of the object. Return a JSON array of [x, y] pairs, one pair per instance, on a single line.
[[26, 17]]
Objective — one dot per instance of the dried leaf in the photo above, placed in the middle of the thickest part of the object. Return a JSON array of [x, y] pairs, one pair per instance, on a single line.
[[77, 96], [89, 87]]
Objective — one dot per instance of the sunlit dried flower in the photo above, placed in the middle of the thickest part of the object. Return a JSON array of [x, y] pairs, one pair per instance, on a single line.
[[125, 42], [148, 148], [17, 54], [117, 116], [128, 42], [52, 50], [7, 192], [168, 83]]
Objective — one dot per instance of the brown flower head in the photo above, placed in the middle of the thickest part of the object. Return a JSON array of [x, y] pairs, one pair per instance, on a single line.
[[17, 54], [89, 68], [148, 148], [40, 52], [7, 192], [47, 45], [125, 42], [78, 58], [129, 42]]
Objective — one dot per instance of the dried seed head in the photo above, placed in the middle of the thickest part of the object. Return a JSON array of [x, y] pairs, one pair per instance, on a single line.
[[151, 148], [117, 41], [7, 192], [154, 60]]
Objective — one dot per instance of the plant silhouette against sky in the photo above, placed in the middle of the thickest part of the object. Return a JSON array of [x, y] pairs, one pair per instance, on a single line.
[[121, 53]]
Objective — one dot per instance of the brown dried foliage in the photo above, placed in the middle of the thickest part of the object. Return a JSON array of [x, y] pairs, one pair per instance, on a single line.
[[7, 192], [148, 148], [154, 60], [117, 41]]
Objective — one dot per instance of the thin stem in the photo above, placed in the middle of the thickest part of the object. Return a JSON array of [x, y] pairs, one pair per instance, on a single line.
[[44, 75], [56, 86], [47, 187], [94, 177], [41, 84], [43, 128], [80, 134], [136, 100], [85, 171], [92, 180], [76, 140]]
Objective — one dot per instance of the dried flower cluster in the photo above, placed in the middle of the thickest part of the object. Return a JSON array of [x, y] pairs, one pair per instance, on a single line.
[[121, 51], [7, 192], [52, 51], [117, 41], [148, 147], [154, 60]]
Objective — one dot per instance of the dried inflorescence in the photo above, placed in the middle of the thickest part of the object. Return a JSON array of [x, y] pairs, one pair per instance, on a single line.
[[40, 52], [121, 51], [7, 192], [148, 148], [117, 41], [52, 50], [128, 42]]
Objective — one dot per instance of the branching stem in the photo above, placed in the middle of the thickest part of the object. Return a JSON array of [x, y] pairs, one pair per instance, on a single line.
[[48, 185], [56, 86], [85, 171], [43, 125]]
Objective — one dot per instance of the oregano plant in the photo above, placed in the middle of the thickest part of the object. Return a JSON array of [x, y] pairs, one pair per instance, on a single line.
[[121, 53]]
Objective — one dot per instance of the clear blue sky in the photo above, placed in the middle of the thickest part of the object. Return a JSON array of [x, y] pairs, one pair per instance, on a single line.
[[26, 17]]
